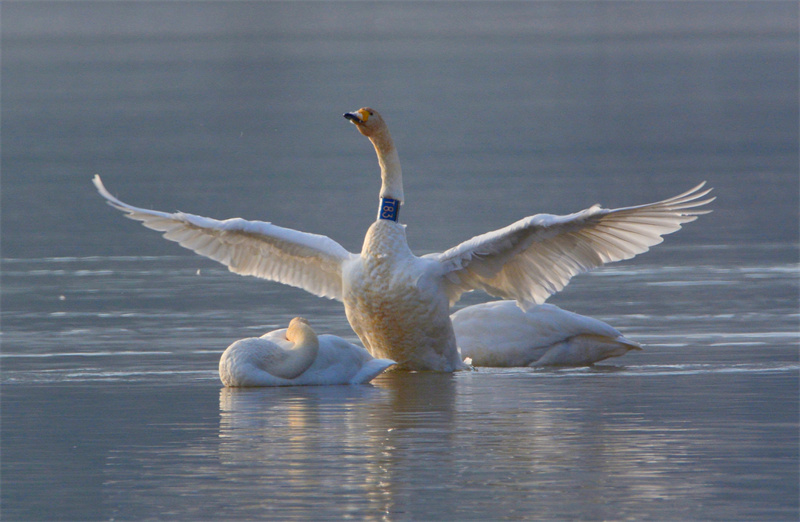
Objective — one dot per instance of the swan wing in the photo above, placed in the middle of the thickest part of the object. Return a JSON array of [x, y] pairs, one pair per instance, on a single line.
[[532, 259], [308, 261]]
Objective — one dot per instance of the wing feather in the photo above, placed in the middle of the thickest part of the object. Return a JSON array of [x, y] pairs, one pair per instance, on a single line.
[[309, 261], [537, 256]]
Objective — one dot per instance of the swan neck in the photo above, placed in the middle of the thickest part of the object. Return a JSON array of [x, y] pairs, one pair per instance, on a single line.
[[301, 356], [385, 240], [389, 161]]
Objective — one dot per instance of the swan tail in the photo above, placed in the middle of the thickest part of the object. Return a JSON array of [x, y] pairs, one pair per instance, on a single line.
[[585, 350], [370, 370], [632, 345]]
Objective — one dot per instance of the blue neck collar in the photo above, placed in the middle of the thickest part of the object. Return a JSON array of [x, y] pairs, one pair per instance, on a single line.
[[389, 209]]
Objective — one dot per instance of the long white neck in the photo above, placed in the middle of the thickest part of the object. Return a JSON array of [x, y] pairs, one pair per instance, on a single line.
[[298, 359], [391, 173]]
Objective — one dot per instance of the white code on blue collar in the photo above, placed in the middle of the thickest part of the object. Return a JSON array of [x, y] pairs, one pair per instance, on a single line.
[[389, 209]]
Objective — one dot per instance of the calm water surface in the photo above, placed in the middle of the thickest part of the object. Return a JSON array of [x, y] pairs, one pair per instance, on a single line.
[[111, 405]]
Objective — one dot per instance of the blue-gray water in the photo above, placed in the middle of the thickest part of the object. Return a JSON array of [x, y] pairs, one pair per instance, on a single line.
[[111, 407]]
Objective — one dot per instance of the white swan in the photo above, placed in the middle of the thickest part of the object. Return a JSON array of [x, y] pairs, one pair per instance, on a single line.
[[296, 356], [399, 303], [500, 333]]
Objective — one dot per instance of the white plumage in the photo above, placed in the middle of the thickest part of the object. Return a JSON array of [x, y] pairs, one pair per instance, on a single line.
[[297, 356], [532, 259], [398, 303], [500, 333]]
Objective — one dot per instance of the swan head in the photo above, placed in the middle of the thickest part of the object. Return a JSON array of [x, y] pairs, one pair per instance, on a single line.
[[299, 330], [371, 124], [367, 121]]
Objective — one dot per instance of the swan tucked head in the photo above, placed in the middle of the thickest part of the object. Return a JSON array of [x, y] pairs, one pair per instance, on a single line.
[[299, 330], [367, 121]]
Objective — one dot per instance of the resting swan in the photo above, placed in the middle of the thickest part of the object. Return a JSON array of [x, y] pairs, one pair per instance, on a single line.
[[398, 303], [297, 356], [500, 333]]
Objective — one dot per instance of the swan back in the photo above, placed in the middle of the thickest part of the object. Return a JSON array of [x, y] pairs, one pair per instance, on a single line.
[[499, 333], [341, 362]]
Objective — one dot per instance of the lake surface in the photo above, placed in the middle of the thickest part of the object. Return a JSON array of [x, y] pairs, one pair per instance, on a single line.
[[111, 404]]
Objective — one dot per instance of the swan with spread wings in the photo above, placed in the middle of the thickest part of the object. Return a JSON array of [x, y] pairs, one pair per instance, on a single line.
[[398, 303]]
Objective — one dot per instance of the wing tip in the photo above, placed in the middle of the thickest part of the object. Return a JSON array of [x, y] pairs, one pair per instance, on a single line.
[[98, 184], [111, 200]]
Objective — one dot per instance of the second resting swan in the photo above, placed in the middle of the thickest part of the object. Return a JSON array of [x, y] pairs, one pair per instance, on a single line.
[[500, 333], [297, 356], [398, 303]]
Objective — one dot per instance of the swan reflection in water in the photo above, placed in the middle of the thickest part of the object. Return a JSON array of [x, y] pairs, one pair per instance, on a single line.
[[426, 440]]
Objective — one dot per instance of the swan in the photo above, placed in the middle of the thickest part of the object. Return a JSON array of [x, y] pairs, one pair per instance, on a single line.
[[500, 333], [398, 303], [296, 356]]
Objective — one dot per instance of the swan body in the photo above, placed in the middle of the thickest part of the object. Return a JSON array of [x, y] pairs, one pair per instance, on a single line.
[[296, 356], [398, 303], [500, 333]]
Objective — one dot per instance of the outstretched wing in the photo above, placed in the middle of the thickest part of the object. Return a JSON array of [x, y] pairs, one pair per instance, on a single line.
[[308, 261], [535, 257]]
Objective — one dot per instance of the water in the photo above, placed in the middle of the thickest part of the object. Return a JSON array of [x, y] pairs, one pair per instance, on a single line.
[[111, 406]]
